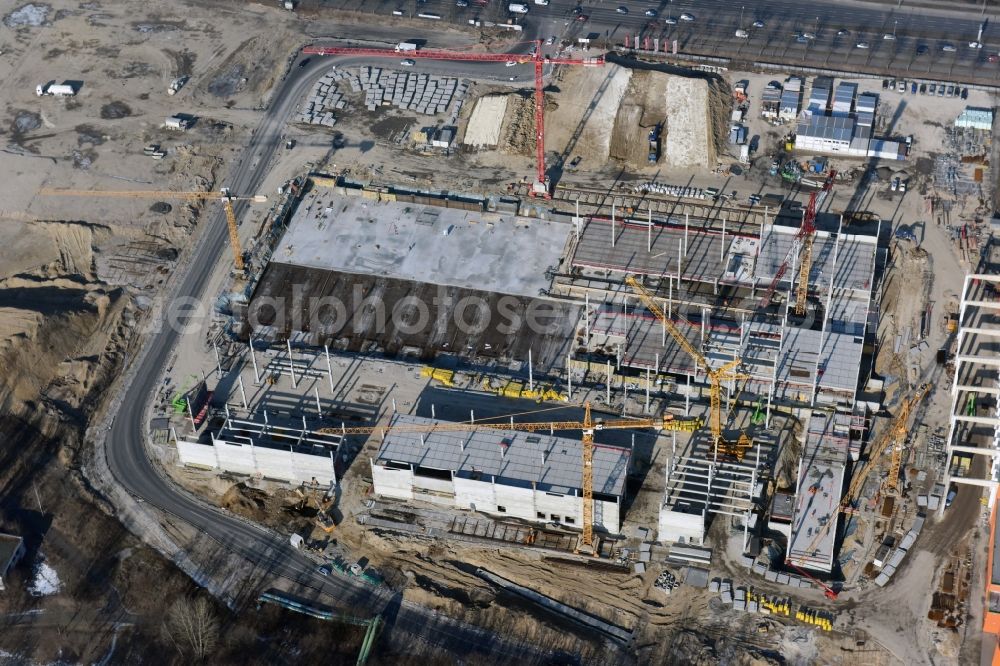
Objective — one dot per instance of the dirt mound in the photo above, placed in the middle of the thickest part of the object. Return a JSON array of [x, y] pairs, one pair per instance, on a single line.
[[246, 501], [518, 131]]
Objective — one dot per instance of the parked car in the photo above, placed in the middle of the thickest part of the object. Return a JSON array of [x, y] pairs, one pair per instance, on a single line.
[[948, 48], [652, 13], [932, 89], [913, 88], [622, 10], [923, 88], [861, 45], [901, 86], [802, 39], [758, 24], [809, 35], [922, 50], [670, 20], [843, 32], [940, 90], [965, 93], [687, 17], [407, 63], [885, 84], [951, 91]]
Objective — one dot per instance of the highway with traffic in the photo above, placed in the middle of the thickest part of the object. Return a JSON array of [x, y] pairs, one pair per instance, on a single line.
[[269, 553], [856, 36]]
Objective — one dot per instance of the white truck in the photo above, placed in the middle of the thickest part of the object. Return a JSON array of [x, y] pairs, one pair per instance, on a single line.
[[405, 46], [56, 89], [517, 8]]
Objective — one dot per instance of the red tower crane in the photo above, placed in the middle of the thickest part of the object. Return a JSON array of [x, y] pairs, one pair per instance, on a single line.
[[541, 185], [803, 241]]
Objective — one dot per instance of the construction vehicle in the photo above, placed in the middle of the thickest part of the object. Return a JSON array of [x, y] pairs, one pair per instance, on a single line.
[[224, 195], [587, 427], [715, 377], [540, 187], [654, 144]]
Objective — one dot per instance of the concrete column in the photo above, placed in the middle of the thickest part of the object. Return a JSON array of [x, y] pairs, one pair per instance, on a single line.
[[647, 389], [243, 392], [253, 360], [218, 360], [569, 374], [531, 373], [319, 408], [291, 364], [608, 383], [329, 367], [612, 223]]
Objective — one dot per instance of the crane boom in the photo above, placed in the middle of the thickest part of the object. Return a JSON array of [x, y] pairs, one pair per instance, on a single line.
[[896, 431], [715, 377], [667, 422], [541, 186], [808, 233], [654, 307], [587, 426], [805, 232]]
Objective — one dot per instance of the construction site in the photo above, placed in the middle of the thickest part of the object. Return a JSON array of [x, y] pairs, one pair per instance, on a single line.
[[501, 318], [650, 384]]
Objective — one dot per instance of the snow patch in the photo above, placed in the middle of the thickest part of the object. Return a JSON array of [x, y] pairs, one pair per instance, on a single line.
[[46, 581]]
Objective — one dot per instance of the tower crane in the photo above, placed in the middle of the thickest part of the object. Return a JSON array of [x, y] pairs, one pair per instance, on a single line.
[[224, 195], [541, 184], [587, 427], [715, 377], [803, 243], [894, 436]]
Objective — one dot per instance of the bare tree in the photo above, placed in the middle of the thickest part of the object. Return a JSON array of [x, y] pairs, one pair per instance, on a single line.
[[193, 627]]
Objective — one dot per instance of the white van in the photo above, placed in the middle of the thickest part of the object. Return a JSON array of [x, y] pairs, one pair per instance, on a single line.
[[517, 8]]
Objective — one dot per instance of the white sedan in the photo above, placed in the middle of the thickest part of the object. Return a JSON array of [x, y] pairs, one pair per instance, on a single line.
[[687, 17]]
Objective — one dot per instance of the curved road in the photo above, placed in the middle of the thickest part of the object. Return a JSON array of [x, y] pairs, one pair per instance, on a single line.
[[269, 553]]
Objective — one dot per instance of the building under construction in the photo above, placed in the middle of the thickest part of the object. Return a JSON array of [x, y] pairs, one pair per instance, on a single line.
[[711, 280], [532, 476]]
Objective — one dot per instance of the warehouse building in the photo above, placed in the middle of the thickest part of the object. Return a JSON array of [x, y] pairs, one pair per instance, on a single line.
[[531, 476], [260, 445]]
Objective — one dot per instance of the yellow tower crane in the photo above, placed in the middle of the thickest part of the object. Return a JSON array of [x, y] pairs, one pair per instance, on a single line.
[[894, 436], [224, 195], [587, 427], [715, 377]]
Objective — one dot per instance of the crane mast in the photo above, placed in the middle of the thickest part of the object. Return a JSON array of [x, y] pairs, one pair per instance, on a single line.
[[587, 427], [540, 187], [715, 377]]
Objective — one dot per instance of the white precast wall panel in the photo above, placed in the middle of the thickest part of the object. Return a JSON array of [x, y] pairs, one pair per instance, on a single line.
[[235, 458], [519, 502], [275, 463], [267, 462], [553, 504], [677, 526], [199, 455], [306, 468], [396, 483], [476, 495], [439, 491]]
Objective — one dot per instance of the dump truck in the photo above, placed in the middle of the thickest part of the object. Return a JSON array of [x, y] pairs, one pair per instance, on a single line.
[[654, 144]]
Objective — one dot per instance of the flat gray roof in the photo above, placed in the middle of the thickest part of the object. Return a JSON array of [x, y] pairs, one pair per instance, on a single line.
[[447, 246], [835, 128], [839, 359], [818, 492], [551, 463]]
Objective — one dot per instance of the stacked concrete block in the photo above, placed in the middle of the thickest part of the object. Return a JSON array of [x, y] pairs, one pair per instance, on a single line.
[[324, 98]]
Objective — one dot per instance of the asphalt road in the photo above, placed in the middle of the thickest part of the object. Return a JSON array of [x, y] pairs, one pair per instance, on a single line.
[[265, 551], [716, 21]]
